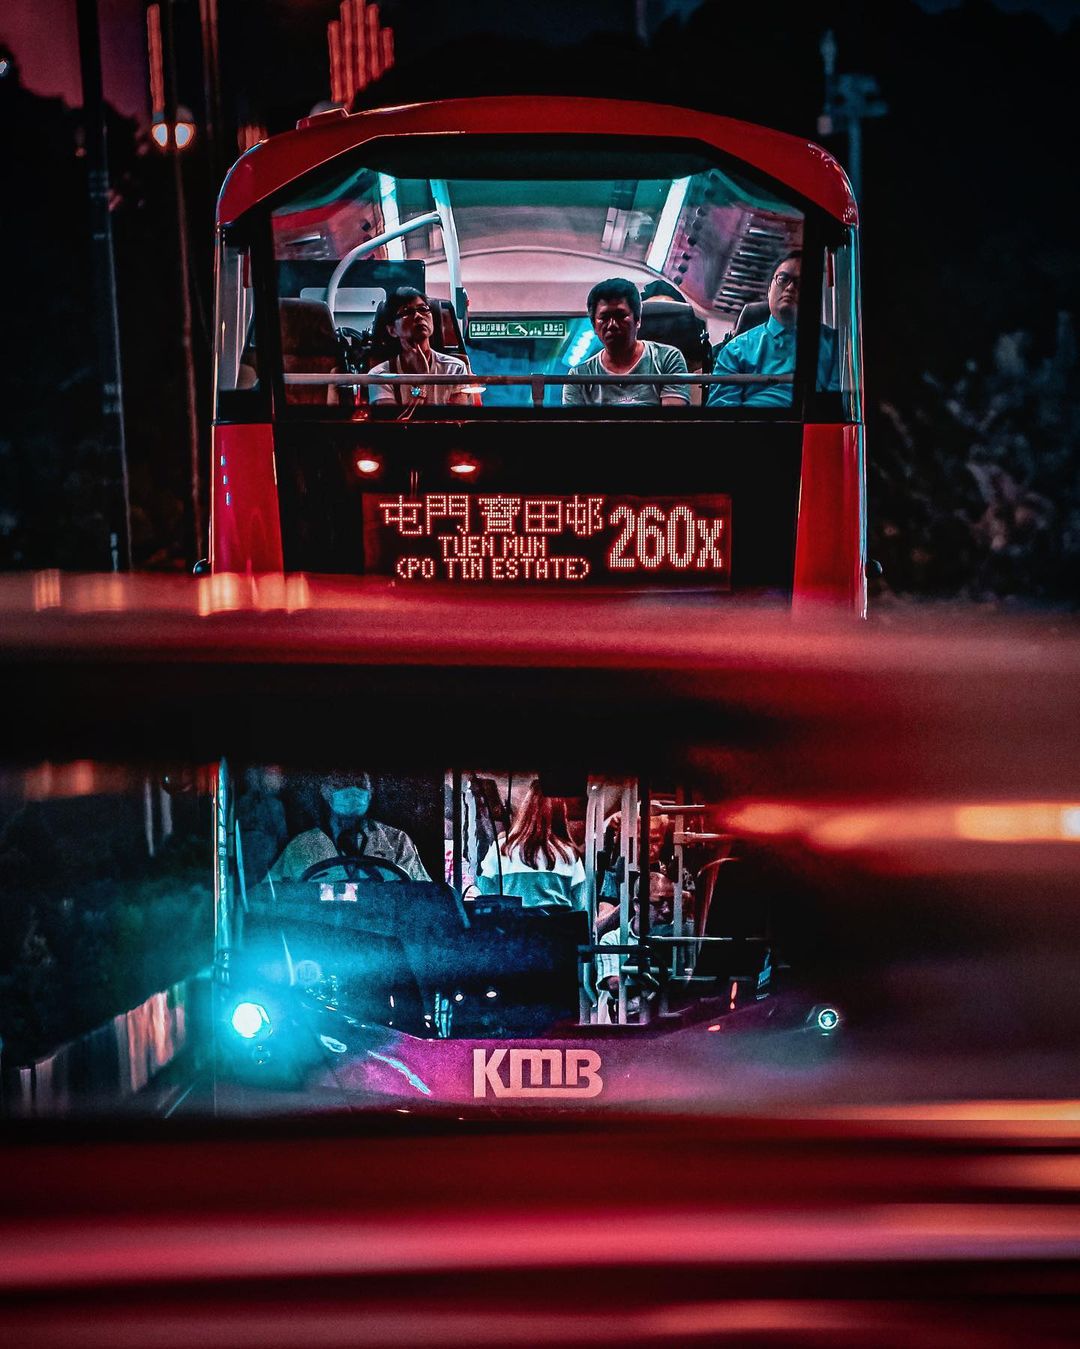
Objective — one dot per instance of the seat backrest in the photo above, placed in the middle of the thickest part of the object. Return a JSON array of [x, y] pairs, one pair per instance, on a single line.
[[309, 345], [675, 324], [752, 315]]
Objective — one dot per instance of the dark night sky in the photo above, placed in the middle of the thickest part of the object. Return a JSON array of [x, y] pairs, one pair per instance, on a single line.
[[42, 34]]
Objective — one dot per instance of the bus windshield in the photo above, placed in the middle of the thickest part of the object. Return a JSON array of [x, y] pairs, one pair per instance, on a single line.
[[505, 245]]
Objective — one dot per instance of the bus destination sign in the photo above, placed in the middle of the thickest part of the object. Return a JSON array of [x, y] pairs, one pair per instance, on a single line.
[[457, 536], [553, 328]]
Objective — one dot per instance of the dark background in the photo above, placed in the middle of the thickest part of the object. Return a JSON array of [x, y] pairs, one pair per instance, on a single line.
[[971, 274]]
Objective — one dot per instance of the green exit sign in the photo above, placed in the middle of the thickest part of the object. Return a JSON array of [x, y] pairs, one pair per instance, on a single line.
[[550, 328]]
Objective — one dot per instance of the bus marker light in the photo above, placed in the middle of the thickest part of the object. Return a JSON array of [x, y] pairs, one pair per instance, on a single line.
[[250, 1019]]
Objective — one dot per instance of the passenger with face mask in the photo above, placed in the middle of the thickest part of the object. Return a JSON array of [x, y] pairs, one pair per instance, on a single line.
[[349, 831]]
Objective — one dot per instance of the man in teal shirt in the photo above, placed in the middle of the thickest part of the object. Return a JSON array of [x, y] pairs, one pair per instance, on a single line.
[[769, 349]]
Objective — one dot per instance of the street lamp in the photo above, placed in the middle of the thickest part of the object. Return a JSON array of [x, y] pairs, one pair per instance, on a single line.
[[177, 135]]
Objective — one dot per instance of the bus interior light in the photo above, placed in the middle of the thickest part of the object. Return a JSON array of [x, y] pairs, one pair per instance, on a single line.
[[367, 463], [464, 465], [665, 228]]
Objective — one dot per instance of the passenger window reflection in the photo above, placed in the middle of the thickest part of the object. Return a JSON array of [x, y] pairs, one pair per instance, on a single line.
[[347, 831], [537, 861]]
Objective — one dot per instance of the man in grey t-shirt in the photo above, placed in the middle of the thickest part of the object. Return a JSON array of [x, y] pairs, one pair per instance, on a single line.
[[615, 310]]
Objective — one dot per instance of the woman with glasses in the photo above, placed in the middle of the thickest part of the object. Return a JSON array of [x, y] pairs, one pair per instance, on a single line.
[[404, 325]]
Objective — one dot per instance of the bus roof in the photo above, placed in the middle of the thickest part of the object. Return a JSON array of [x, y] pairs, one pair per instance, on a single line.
[[800, 164]]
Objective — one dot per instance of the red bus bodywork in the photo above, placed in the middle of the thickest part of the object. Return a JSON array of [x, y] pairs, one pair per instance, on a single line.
[[830, 544]]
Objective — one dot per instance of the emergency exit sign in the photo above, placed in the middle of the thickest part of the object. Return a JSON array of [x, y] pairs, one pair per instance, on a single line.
[[553, 328]]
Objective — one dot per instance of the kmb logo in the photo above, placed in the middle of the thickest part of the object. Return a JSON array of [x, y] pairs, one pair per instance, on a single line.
[[537, 1072]]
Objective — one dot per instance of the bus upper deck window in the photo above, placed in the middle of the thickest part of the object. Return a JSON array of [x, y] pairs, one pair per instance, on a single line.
[[839, 355], [235, 366]]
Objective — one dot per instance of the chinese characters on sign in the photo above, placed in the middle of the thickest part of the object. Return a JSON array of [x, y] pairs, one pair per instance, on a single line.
[[449, 536]]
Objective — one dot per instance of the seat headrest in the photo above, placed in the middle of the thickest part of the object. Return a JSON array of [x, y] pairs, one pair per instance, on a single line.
[[307, 328], [752, 316], [676, 325]]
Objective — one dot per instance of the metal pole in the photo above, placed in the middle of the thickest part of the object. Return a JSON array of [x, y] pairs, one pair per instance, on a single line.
[[106, 314], [643, 885], [184, 263], [208, 17]]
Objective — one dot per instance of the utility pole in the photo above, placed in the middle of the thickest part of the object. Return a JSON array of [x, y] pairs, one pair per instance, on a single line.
[[208, 17], [641, 22], [849, 99], [106, 315], [183, 258]]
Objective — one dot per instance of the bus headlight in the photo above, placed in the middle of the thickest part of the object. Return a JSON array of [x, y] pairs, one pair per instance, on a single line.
[[250, 1019]]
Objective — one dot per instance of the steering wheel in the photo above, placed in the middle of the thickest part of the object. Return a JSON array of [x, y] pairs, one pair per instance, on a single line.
[[355, 864]]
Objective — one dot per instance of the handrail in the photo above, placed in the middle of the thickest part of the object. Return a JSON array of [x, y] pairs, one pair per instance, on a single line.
[[336, 377], [369, 246]]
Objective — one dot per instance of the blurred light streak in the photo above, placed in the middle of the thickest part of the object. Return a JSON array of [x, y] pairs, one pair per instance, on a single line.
[[81, 777], [104, 593], [224, 591], [834, 827], [181, 1247], [46, 590]]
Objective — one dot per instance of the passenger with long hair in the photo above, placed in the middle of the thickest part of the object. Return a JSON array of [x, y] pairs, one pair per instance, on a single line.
[[537, 861]]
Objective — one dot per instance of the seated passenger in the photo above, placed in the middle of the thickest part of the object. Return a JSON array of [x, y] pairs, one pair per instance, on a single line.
[[607, 913], [405, 326], [615, 310], [347, 830], [769, 349], [661, 924], [537, 861]]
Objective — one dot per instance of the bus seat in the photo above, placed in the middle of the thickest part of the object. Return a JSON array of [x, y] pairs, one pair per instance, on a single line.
[[751, 315], [447, 335], [309, 345], [677, 325], [674, 323]]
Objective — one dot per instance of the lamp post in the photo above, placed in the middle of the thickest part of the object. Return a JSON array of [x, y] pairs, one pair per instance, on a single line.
[[106, 315], [849, 98], [173, 130]]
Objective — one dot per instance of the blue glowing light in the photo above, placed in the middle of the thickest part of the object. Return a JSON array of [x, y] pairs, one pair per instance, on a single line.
[[828, 1018], [250, 1019]]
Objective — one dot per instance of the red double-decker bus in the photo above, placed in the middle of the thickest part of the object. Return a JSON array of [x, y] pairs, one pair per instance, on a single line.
[[513, 454]]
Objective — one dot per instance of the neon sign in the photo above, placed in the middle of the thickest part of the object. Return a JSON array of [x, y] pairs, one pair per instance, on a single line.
[[458, 536]]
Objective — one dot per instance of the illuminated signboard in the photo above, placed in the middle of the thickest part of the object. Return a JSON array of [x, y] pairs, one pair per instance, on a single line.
[[452, 536], [553, 328]]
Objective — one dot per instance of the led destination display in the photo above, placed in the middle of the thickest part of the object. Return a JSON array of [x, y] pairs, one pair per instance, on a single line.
[[500, 538]]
